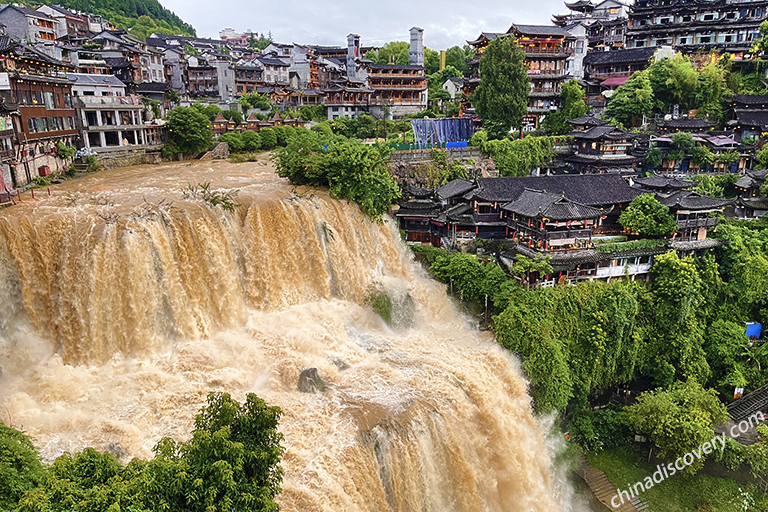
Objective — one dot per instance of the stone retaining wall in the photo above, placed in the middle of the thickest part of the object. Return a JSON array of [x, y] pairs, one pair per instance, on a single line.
[[128, 158]]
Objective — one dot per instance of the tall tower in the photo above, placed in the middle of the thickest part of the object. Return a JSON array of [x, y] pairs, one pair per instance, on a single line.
[[353, 52], [416, 53]]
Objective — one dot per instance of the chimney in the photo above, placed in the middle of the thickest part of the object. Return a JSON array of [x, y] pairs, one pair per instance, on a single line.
[[416, 54], [353, 53]]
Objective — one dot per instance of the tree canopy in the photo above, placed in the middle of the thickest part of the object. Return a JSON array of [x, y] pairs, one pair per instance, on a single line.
[[501, 99], [647, 216], [190, 130], [572, 106], [231, 463]]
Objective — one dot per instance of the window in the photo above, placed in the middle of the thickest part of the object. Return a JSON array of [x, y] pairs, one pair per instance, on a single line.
[[31, 125], [67, 124], [682, 40], [51, 124], [38, 98], [40, 124], [49, 104]]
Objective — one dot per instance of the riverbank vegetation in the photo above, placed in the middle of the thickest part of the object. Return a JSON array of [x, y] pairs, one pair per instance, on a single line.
[[230, 463], [664, 346]]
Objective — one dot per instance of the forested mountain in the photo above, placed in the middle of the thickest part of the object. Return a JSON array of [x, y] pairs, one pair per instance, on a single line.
[[126, 13]]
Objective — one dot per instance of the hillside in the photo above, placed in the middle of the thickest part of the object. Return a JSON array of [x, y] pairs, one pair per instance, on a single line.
[[127, 13]]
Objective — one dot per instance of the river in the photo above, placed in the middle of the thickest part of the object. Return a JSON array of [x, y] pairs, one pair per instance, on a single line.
[[124, 303]]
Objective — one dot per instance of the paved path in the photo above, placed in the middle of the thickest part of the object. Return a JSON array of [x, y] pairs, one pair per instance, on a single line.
[[604, 491]]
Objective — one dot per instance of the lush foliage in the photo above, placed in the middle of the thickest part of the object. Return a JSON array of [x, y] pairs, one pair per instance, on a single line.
[[190, 130], [352, 170], [517, 157], [128, 14], [572, 106], [678, 420], [633, 100], [231, 463], [647, 216], [501, 99]]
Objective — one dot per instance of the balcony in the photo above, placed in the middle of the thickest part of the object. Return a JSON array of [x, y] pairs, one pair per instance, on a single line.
[[548, 52], [546, 73], [618, 270], [706, 222], [488, 217]]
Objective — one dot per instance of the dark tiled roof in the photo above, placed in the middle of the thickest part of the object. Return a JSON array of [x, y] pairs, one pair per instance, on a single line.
[[750, 99], [752, 117], [686, 122], [602, 132], [154, 87], [588, 120], [540, 30], [419, 208], [758, 203], [689, 200], [531, 203], [663, 182], [454, 188], [273, 62], [611, 161], [619, 56], [117, 62], [588, 189], [707, 243], [487, 35]]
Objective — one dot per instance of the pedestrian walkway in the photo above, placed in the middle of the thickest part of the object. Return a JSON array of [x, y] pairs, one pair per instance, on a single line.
[[604, 491]]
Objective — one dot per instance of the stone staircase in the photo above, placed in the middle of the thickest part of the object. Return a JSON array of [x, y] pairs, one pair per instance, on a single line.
[[604, 491]]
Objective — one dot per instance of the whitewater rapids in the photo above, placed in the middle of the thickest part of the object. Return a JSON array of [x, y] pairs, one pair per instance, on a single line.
[[123, 304]]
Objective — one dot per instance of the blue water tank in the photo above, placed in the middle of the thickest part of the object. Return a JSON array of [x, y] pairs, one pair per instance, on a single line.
[[754, 330]]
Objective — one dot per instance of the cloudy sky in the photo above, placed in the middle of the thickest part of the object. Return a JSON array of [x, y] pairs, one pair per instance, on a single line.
[[325, 22]]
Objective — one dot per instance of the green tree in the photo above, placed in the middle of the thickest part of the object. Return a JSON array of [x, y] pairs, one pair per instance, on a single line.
[[431, 61], [678, 420], [268, 138], [653, 158], [501, 99], [518, 157], [572, 106], [190, 130], [525, 267], [677, 331], [20, 468], [251, 140], [234, 141], [727, 347], [457, 58], [255, 101], [397, 51], [632, 100], [647, 216]]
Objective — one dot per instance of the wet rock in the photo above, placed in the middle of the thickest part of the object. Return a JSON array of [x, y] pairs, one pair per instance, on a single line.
[[310, 381], [116, 450]]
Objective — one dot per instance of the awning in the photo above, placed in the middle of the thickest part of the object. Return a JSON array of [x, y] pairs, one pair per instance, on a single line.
[[615, 81]]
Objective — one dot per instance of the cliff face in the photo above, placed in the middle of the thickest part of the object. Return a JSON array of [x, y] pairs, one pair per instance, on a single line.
[[419, 169]]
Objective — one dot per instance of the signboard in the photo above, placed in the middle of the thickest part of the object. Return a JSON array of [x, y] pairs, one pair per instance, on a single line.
[[5, 82]]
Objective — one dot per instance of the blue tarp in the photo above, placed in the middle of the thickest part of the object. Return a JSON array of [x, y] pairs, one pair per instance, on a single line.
[[431, 131]]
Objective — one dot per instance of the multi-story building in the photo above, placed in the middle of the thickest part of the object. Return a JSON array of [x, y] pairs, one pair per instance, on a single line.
[[211, 75], [248, 77], [27, 24], [546, 50], [39, 86], [67, 22], [276, 69], [725, 25], [108, 118]]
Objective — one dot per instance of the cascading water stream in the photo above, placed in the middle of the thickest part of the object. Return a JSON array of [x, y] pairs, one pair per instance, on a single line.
[[123, 305]]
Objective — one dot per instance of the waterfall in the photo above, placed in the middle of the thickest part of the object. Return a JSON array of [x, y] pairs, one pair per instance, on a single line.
[[124, 303]]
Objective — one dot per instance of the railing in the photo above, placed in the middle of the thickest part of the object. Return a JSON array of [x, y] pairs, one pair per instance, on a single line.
[[697, 223], [621, 270], [489, 217], [571, 233], [562, 52], [612, 74]]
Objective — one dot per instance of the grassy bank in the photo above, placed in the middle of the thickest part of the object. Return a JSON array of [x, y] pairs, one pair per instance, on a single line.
[[679, 493]]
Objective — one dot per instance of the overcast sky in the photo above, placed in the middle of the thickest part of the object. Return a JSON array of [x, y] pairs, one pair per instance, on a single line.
[[324, 22]]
